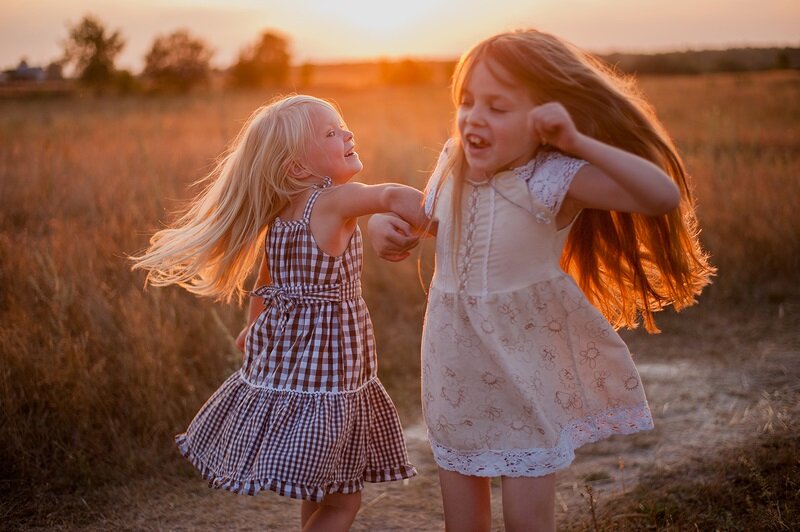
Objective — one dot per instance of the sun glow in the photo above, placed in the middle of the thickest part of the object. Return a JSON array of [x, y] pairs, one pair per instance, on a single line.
[[381, 17]]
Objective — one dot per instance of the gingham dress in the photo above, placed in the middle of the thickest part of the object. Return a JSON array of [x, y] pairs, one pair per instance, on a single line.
[[306, 414]]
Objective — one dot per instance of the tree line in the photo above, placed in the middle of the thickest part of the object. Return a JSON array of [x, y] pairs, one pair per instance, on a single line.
[[707, 61], [178, 61]]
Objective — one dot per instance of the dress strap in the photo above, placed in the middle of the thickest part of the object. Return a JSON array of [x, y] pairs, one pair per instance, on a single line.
[[326, 182]]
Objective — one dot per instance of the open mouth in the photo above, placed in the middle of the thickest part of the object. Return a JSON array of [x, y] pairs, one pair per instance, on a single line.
[[476, 141], [350, 153]]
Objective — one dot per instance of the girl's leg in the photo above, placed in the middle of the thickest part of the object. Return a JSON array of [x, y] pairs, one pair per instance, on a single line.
[[306, 510], [529, 503], [337, 511], [467, 502]]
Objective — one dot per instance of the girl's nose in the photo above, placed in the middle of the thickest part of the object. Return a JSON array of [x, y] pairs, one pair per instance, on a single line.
[[475, 116]]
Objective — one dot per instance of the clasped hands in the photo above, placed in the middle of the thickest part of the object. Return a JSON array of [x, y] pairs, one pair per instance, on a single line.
[[391, 237]]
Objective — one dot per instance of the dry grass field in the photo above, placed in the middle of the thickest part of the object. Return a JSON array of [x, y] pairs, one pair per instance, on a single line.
[[97, 374]]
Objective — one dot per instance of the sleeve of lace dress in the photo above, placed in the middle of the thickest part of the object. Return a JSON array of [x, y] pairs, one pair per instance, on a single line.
[[551, 178], [432, 188]]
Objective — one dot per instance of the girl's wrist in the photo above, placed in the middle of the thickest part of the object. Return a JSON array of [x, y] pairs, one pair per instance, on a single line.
[[580, 145]]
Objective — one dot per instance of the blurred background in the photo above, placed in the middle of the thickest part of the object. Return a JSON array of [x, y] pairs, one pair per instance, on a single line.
[[109, 111]]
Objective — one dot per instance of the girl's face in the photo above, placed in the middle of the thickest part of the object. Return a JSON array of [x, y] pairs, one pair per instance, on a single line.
[[331, 149], [492, 121]]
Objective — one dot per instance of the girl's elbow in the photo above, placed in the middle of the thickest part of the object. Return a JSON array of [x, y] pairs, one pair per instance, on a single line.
[[391, 195], [667, 202], [386, 198], [673, 198]]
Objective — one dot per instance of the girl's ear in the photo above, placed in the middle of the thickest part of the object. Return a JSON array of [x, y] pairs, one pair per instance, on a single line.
[[297, 171]]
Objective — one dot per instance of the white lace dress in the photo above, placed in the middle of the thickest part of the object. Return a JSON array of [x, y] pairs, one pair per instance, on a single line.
[[519, 369]]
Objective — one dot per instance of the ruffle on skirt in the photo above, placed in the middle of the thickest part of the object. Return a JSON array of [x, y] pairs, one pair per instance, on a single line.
[[302, 445]]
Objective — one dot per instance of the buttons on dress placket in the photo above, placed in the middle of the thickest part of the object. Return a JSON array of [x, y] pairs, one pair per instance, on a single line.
[[467, 265]]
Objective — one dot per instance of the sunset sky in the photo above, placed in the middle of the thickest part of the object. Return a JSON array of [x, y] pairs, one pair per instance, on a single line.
[[328, 31]]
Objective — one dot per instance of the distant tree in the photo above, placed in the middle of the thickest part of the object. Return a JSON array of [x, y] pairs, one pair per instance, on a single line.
[[126, 83], [54, 71], [729, 63], [93, 51], [264, 63], [449, 68], [405, 72], [666, 63], [178, 61], [782, 60]]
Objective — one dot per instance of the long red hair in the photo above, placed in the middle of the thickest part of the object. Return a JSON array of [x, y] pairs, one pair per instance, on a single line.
[[627, 264]]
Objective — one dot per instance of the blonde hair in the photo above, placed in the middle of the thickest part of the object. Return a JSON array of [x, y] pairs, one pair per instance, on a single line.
[[626, 264], [212, 247]]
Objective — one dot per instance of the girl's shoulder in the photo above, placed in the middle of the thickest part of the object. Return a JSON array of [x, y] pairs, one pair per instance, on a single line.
[[549, 175]]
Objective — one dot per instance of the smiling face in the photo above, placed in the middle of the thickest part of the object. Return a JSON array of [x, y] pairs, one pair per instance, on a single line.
[[331, 147], [492, 120]]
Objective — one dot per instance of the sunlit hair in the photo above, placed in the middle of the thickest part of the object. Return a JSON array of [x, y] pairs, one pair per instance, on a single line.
[[212, 247], [627, 264]]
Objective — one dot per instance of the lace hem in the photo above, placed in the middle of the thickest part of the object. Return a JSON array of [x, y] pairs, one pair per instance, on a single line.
[[540, 462]]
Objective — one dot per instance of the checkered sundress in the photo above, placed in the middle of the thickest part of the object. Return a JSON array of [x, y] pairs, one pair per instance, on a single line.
[[306, 414]]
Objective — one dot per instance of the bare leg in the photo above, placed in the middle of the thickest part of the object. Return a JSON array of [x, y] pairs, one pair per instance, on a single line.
[[306, 510], [467, 502], [337, 511], [529, 503]]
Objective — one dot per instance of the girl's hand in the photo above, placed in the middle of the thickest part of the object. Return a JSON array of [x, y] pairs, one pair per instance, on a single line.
[[552, 124], [391, 237], [240, 339]]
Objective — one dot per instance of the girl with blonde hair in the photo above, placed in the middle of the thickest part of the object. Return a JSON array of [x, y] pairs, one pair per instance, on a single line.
[[562, 212], [306, 415]]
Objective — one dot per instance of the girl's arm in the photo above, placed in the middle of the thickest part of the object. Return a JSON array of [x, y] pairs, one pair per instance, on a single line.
[[336, 212], [614, 179], [352, 200], [256, 305]]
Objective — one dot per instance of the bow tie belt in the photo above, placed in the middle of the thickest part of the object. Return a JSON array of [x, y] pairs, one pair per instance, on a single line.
[[286, 296]]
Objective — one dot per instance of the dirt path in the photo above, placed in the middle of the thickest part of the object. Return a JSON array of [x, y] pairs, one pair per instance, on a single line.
[[712, 382]]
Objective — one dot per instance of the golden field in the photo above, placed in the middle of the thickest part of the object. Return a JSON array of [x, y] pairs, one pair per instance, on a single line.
[[97, 374]]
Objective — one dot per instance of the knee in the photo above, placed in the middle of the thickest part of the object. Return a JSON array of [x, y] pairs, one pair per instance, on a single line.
[[537, 522]]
